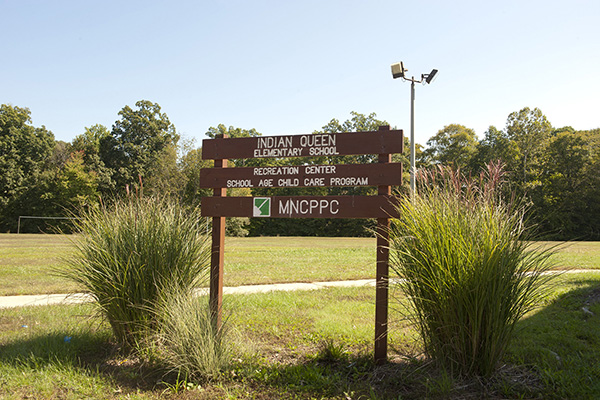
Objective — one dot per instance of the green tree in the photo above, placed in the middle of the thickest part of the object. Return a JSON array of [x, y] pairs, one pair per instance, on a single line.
[[591, 177], [232, 132], [166, 177], [494, 147], [565, 209], [89, 143], [137, 143], [24, 152], [530, 131], [37, 199], [58, 192], [190, 166], [75, 186], [60, 155], [454, 146]]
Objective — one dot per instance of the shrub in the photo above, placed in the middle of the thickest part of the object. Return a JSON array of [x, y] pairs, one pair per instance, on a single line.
[[461, 254], [188, 342], [128, 254]]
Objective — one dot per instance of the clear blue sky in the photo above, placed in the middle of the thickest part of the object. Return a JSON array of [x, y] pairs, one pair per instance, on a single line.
[[285, 67]]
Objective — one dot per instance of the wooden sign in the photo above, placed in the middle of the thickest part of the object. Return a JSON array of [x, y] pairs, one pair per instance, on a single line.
[[303, 176], [315, 145], [384, 174], [301, 207]]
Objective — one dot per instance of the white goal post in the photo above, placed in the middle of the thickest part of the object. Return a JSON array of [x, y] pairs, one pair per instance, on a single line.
[[32, 217]]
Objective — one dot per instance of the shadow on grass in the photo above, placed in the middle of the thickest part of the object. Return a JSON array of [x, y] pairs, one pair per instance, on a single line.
[[561, 341], [85, 353], [358, 378]]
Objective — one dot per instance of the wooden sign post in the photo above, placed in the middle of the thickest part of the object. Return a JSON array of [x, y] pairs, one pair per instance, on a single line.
[[217, 254], [383, 174]]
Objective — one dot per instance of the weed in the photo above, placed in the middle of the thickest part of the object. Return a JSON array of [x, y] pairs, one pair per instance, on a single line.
[[332, 351], [440, 385], [180, 385]]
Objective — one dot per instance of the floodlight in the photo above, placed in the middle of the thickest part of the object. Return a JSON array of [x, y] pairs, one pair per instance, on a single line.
[[398, 70], [431, 76]]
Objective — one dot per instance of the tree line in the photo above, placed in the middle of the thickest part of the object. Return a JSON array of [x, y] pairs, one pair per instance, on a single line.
[[554, 170]]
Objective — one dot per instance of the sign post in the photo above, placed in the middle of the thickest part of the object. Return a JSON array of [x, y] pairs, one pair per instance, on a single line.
[[384, 174], [217, 255], [382, 275]]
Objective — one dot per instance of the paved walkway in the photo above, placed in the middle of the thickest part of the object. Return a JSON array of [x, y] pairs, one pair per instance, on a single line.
[[48, 299]]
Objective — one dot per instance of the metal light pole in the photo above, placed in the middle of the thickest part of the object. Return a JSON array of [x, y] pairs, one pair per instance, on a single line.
[[398, 71], [413, 163]]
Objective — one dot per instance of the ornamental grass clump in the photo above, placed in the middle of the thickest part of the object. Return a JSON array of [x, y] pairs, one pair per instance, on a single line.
[[466, 267], [128, 254], [188, 341]]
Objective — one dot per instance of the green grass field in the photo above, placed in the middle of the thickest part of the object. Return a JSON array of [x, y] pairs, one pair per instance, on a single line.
[[291, 345], [305, 345], [297, 259], [27, 260]]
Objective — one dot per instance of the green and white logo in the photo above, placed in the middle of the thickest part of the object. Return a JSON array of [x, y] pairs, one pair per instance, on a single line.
[[262, 207]]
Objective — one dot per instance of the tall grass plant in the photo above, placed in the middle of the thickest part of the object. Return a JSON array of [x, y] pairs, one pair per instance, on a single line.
[[464, 263], [188, 341], [128, 254]]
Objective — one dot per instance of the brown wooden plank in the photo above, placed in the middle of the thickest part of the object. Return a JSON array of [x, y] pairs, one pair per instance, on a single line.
[[311, 145], [302, 207], [303, 176]]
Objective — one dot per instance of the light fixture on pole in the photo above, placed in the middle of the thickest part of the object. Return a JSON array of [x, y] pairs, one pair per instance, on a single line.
[[398, 71]]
